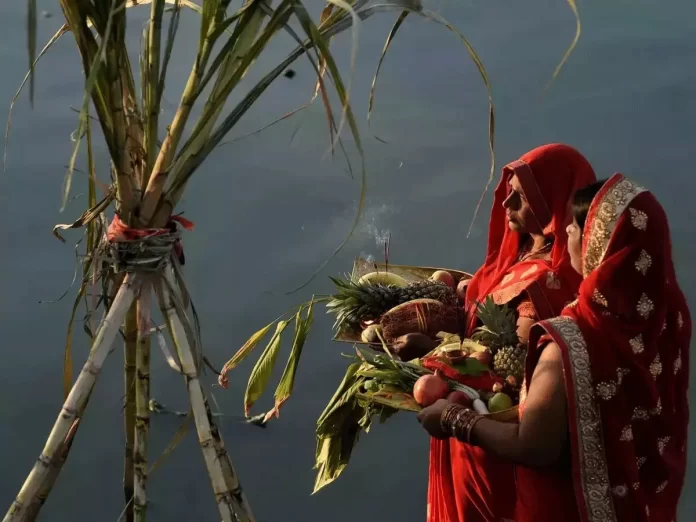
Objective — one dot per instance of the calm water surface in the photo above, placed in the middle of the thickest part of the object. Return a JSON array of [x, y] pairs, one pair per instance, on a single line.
[[269, 209]]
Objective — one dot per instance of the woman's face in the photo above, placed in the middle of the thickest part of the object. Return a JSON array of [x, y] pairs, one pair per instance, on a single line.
[[575, 245], [519, 214]]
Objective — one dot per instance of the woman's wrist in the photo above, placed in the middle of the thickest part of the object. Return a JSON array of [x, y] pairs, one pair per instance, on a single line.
[[458, 421]]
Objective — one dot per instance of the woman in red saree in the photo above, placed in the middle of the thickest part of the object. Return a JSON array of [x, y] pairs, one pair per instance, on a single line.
[[527, 265], [603, 429]]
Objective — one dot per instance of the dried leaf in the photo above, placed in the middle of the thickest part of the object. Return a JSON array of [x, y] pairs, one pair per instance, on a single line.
[[573, 44], [88, 215], [263, 369], [173, 443], [398, 401]]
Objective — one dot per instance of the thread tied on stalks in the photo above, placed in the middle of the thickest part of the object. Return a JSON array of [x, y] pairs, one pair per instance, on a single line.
[[145, 249]]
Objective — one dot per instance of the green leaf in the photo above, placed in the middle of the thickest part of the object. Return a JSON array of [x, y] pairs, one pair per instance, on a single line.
[[287, 381], [92, 78], [171, 36], [321, 42], [31, 44], [64, 29], [243, 353], [471, 366], [347, 382], [264, 368], [390, 37]]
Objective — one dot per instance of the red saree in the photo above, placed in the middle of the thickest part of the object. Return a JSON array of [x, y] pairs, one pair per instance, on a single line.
[[465, 483], [625, 345]]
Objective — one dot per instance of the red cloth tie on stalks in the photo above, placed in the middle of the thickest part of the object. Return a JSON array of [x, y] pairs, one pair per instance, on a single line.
[[119, 231]]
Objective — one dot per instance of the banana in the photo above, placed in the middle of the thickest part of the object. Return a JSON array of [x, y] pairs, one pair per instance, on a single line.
[[480, 407], [383, 278]]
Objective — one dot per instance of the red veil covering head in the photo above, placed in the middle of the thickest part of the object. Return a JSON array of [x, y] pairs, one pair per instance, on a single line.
[[625, 347], [466, 484], [549, 175]]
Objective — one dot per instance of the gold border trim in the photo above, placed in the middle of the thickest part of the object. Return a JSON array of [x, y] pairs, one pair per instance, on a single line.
[[619, 192], [592, 463]]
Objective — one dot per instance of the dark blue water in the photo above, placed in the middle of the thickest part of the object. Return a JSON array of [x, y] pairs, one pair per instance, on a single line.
[[269, 210]]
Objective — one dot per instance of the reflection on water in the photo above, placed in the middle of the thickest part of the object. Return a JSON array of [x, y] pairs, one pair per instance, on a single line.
[[268, 210]]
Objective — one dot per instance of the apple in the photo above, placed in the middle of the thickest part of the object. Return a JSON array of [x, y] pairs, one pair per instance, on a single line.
[[444, 276]]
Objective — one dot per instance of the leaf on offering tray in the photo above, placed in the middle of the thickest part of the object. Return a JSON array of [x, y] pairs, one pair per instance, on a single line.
[[398, 401], [472, 346], [347, 382], [386, 413], [333, 454], [471, 366], [448, 338]]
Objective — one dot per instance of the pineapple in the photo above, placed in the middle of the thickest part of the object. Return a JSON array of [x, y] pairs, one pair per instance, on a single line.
[[499, 335], [356, 302], [509, 360], [499, 326]]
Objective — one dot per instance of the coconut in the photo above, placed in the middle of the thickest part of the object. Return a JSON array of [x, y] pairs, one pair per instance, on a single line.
[[412, 346], [425, 316]]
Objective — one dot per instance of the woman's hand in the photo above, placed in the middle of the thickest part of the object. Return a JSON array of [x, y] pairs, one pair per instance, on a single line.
[[430, 419]]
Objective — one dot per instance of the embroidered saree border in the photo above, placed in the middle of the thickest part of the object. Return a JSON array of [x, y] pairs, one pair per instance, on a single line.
[[590, 470]]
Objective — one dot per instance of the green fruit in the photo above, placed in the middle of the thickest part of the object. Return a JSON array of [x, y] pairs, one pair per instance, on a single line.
[[499, 402], [371, 386]]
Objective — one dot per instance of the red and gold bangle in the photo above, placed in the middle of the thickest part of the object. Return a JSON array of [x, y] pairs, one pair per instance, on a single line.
[[458, 421]]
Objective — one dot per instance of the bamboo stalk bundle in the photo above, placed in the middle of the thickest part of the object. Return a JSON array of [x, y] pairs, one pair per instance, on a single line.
[[148, 173]]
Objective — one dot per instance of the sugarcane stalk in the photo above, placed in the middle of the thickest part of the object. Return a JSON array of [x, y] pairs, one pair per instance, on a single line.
[[142, 402], [229, 495], [56, 466], [130, 349], [158, 174], [151, 107], [75, 404]]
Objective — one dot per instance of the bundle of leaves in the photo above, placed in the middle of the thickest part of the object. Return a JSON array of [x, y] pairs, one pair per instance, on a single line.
[[375, 386]]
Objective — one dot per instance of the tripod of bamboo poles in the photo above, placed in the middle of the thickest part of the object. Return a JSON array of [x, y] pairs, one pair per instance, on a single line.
[[150, 272]]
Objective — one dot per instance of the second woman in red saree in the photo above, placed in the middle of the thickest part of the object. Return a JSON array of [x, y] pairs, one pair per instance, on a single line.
[[528, 266], [603, 427], [625, 352]]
